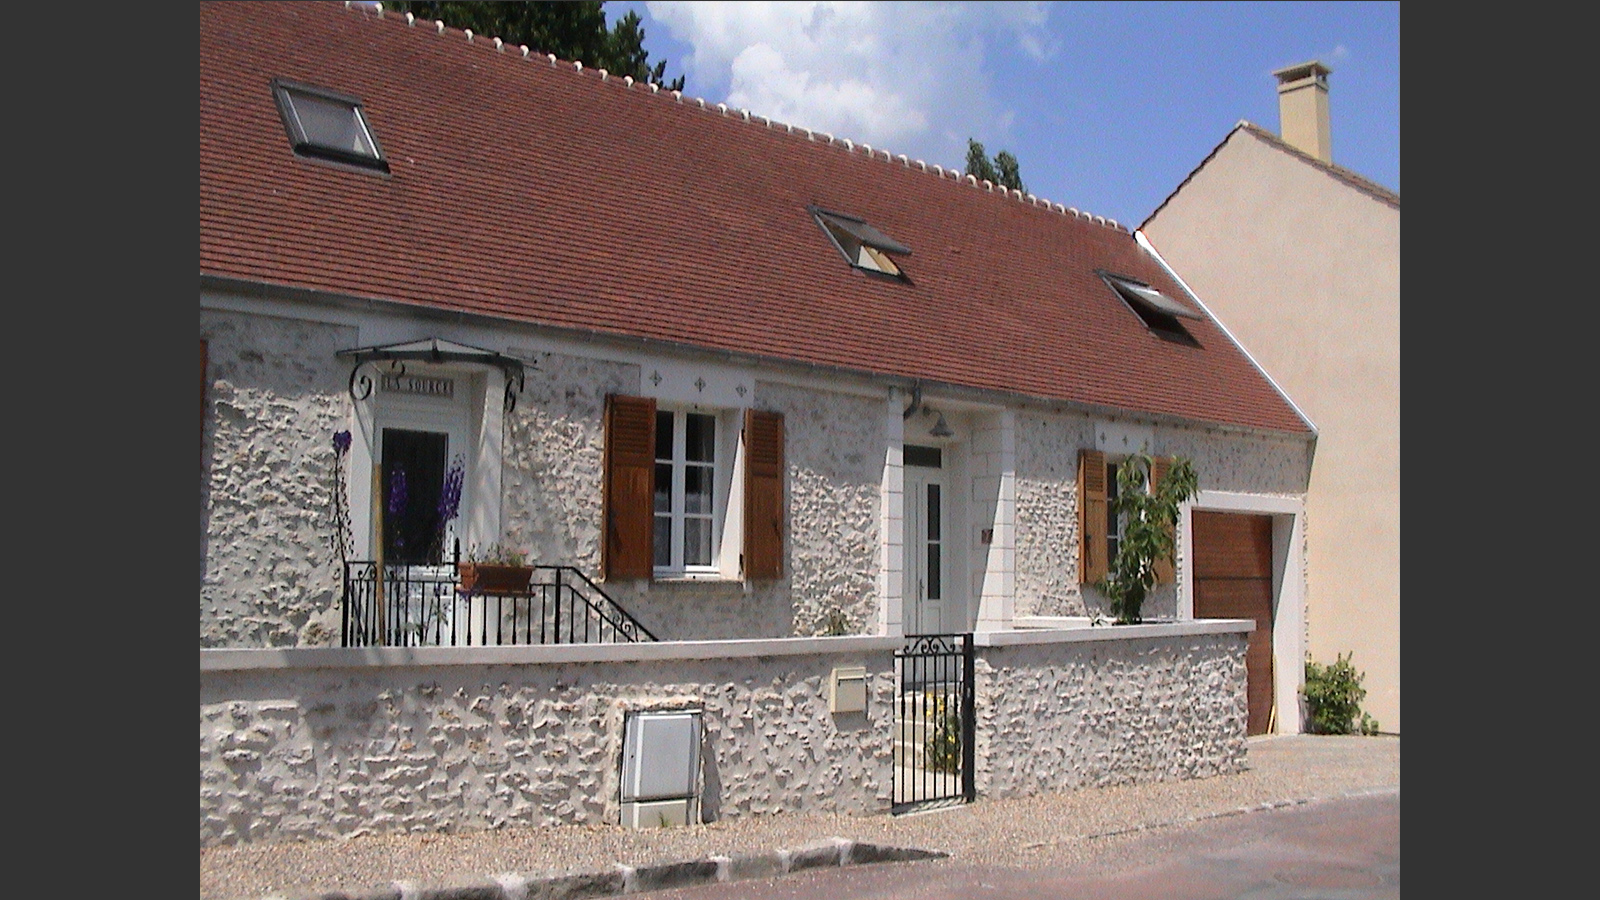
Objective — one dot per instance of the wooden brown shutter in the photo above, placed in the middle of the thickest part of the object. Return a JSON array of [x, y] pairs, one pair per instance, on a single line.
[[1092, 500], [1166, 572], [627, 546], [763, 494]]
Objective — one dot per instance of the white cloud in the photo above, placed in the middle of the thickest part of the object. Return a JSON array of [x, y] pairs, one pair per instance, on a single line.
[[906, 77]]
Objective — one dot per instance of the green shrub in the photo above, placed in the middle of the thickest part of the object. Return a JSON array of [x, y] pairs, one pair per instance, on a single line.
[[942, 745], [1333, 698]]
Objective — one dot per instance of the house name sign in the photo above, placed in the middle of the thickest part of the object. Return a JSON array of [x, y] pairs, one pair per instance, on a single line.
[[419, 384]]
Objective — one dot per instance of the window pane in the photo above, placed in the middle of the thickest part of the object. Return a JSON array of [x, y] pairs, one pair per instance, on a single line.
[[663, 435], [935, 590], [933, 512], [697, 489], [332, 123], [697, 542], [700, 435], [663, 541], [663, 487]]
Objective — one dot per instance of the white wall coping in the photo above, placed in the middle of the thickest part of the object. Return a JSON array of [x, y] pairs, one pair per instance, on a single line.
[[1069, 629], [1041, 630], [228, 659]]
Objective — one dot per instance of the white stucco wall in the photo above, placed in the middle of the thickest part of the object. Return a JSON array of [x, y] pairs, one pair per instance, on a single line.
[[1304, 270]]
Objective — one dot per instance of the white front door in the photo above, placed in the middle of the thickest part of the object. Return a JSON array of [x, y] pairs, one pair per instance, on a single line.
[[928, 585]]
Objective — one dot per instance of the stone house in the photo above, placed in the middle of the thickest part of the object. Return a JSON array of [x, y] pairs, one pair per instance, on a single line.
[[770, 397]]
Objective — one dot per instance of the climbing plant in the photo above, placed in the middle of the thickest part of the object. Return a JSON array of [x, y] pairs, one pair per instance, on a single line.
[[1149, 518]]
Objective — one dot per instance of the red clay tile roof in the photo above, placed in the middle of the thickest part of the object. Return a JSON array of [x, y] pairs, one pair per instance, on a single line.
[[538, 192]]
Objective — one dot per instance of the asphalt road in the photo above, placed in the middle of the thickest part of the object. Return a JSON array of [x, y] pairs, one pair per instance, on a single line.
[[1345, 848]]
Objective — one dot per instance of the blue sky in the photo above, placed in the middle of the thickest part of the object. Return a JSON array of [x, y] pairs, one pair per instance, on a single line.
[[1108, 106]]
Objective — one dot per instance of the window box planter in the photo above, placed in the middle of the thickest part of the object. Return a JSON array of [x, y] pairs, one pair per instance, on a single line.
[[484, 578]]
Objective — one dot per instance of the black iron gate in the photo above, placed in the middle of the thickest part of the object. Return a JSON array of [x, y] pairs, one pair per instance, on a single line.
[[934, 722]]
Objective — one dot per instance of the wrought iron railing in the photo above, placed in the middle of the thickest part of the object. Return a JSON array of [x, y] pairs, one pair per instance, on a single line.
[[424, 606], [935, 722]]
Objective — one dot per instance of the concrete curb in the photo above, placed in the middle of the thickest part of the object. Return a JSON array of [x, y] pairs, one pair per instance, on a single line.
[[623, 879]]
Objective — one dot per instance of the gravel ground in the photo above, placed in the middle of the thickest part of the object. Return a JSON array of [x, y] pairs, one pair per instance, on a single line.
[[1048, 830]]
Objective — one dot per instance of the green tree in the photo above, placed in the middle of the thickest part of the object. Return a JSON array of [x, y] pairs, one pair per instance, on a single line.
[[1010, 170], [1149, 519], [978, 165], [572, 30], [1004, 170]]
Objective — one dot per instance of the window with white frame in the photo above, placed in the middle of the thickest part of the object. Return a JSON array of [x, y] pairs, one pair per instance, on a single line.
[[685, 492], [691, 493]]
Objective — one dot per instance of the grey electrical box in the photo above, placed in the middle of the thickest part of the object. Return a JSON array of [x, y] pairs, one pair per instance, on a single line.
[[660, 768], [847, 690]]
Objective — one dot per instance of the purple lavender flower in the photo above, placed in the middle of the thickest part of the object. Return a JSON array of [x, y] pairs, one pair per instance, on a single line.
[[449, 501], [397, 493], [341, 442], [450, 494]]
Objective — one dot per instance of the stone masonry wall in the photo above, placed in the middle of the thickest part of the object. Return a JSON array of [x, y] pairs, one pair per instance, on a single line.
[[303, 753], [278, 391], [554, 455], [269, 574], [834, 448], [1057, 717], [311, 750], [1047, 501]]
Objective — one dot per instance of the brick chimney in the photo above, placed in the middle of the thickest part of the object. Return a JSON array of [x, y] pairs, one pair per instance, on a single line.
[[1303, 108]]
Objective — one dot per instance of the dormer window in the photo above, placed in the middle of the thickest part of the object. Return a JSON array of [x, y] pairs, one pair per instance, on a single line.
[[326, 124], [1159, 312], [864, 246]]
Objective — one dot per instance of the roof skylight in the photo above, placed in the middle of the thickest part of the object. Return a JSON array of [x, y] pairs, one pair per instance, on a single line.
[[327, 125], [863, 245], [1159, 312]]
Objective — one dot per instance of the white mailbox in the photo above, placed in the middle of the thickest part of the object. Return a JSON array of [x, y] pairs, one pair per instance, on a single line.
[[847, 690]]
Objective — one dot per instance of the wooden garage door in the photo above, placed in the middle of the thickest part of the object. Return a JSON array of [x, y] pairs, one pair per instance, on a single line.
[[1233, 580]]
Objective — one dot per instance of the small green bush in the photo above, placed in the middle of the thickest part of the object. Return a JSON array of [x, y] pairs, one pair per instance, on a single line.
[[943, 744], [1333, 698]]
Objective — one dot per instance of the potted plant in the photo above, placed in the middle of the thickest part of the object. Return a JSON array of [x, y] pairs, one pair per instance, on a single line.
[[495, 569], [1149, 515]]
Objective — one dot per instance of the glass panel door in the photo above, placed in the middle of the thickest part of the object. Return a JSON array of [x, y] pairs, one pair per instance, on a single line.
[[927, 524]]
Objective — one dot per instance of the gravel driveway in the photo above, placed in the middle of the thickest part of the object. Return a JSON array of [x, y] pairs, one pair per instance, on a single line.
[[1052, 829]]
